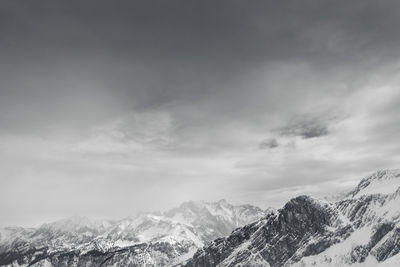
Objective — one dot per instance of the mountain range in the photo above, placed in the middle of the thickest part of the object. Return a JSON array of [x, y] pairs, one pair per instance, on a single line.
[[147, 238], [360, 227]]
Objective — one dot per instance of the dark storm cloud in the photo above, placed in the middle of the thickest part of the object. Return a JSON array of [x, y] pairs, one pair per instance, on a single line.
[[230, 30], [176, 42], [151, 53]]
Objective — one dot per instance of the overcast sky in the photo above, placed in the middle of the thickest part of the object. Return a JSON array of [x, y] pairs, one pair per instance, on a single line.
[[112, 107]]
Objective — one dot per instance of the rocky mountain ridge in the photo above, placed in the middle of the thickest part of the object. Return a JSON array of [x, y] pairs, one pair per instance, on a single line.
[[362, 229]]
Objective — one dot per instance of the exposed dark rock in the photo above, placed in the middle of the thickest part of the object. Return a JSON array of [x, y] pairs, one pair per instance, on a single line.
[[278, 237]]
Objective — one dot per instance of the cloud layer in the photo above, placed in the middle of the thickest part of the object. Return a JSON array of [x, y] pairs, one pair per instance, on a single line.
[[111, 108]]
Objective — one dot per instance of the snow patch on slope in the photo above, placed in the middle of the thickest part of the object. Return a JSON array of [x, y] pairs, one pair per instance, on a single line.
[[338, 254]]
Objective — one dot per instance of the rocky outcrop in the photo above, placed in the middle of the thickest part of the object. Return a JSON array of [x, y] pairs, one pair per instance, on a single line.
[[301, 228]]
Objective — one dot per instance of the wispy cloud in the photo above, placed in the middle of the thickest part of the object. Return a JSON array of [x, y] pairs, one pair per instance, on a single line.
[[269, 143], [305, 127]]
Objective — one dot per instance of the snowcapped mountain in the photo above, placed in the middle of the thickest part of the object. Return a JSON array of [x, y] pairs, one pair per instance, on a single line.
[[147, 238], [212, 220], [362, 229]]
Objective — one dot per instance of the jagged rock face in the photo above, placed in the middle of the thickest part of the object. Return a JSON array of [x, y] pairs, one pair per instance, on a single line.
[[277, 238], [153, 238], [363, 228]]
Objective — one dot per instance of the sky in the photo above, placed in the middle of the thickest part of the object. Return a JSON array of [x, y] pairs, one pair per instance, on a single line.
[[108, 108]]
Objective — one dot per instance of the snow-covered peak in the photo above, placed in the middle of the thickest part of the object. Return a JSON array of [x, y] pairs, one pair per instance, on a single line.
[[223, 201], [380, 182], [216, 215]]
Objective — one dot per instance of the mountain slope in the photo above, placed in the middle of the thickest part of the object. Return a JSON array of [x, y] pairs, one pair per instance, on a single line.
[[303, 226], [380, 182], [362, 229]]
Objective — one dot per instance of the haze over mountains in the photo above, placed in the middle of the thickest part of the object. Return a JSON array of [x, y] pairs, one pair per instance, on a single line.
[[361, 228]]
